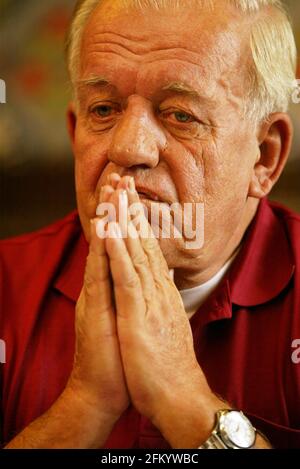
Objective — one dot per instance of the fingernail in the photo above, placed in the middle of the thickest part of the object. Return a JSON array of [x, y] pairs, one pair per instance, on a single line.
[[124, 198], [100, 229], [131, 185]]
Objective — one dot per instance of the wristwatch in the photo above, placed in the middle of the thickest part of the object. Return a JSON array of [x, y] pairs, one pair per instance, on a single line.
[[232, 431]]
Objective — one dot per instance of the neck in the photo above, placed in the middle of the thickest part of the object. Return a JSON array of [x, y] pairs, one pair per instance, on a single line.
[[189, 278]]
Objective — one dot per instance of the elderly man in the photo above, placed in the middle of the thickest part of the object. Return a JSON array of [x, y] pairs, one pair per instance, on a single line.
[[120, 340]]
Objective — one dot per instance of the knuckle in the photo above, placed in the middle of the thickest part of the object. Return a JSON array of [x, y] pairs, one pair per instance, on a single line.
[[96, 268], [131, 283], [88, 280], [151, 244], [140, 260], [90, 285]]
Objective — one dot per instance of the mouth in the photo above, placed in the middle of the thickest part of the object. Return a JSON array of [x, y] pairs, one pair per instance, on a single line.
[[148, 195]]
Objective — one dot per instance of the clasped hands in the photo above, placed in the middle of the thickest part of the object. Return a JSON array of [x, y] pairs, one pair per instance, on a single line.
[[133, 338]]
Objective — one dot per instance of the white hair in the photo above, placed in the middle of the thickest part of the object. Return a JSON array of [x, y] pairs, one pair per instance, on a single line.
[[272, 75]]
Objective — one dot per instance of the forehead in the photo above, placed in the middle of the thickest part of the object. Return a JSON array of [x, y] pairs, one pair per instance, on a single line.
[[132, 48]]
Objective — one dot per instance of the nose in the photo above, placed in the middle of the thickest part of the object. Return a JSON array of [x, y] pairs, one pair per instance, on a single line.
[[138, 138]]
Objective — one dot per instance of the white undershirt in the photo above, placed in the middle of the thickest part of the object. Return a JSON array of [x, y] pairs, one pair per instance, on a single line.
[[193, 298]]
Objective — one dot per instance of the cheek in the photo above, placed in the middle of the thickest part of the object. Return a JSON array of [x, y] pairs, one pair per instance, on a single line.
[[185, 162], [228, 170], [90, 153], [227, 178], [216, 173]]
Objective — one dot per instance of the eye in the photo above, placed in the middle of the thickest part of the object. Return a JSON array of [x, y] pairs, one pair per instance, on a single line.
[[103, 111], [183, 117], [177, 116]]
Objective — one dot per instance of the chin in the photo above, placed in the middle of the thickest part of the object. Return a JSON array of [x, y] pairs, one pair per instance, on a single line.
[[168, 252], [173, 252], [178, 256]]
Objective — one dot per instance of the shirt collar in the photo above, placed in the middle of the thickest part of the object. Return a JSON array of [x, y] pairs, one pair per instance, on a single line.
[[259, 273], [265, 264], [193, 298], [70, 278]]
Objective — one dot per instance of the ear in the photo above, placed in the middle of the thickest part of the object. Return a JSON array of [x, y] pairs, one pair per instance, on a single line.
[[274, 140], [71, 121]]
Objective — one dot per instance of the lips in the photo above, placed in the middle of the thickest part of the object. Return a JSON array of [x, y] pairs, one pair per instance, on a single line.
[[145, 193]]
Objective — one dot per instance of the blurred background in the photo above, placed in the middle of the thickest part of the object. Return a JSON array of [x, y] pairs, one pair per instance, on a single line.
[[36, 165]]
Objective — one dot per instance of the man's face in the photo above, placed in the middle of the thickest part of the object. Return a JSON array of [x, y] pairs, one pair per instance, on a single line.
[[168, 113]]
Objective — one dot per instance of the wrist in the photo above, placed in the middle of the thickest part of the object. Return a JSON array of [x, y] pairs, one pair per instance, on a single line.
[[105, 408], [187, 420], [89, 417]]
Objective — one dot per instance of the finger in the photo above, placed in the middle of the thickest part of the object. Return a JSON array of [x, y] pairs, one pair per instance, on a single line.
[[105, 193], [151, 267], [128, 292], [105, 212], [104, 196], [97, 285], [113, 180], [133, 244], [148, 240], [136, 207], [119, 199], [136, 252]]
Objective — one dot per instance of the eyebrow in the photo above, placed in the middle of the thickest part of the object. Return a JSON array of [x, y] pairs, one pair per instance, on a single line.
[[187, 90], [175, 86], [93, 81], [183, 88]]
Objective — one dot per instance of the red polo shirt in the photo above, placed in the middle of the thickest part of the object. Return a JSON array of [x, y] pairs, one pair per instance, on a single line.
[[243, 334]]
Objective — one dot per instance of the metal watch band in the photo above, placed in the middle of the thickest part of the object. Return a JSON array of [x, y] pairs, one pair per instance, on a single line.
[[213, 442]]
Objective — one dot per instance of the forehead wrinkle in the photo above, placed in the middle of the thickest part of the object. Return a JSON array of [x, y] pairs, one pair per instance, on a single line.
[[131, 46], [135, 46], [154, 32], [141, 46], [154, 54], [158, 55]]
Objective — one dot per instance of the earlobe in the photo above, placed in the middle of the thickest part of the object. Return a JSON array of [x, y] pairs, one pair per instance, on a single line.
[[274, 140], [261, 183], [71, 121]]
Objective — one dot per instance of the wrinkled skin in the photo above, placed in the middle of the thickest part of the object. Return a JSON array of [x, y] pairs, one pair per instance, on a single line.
[[210, 158], [133, 338], [180, 147]]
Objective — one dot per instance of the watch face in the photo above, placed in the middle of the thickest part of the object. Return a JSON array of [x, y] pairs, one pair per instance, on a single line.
[[236, 428]]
